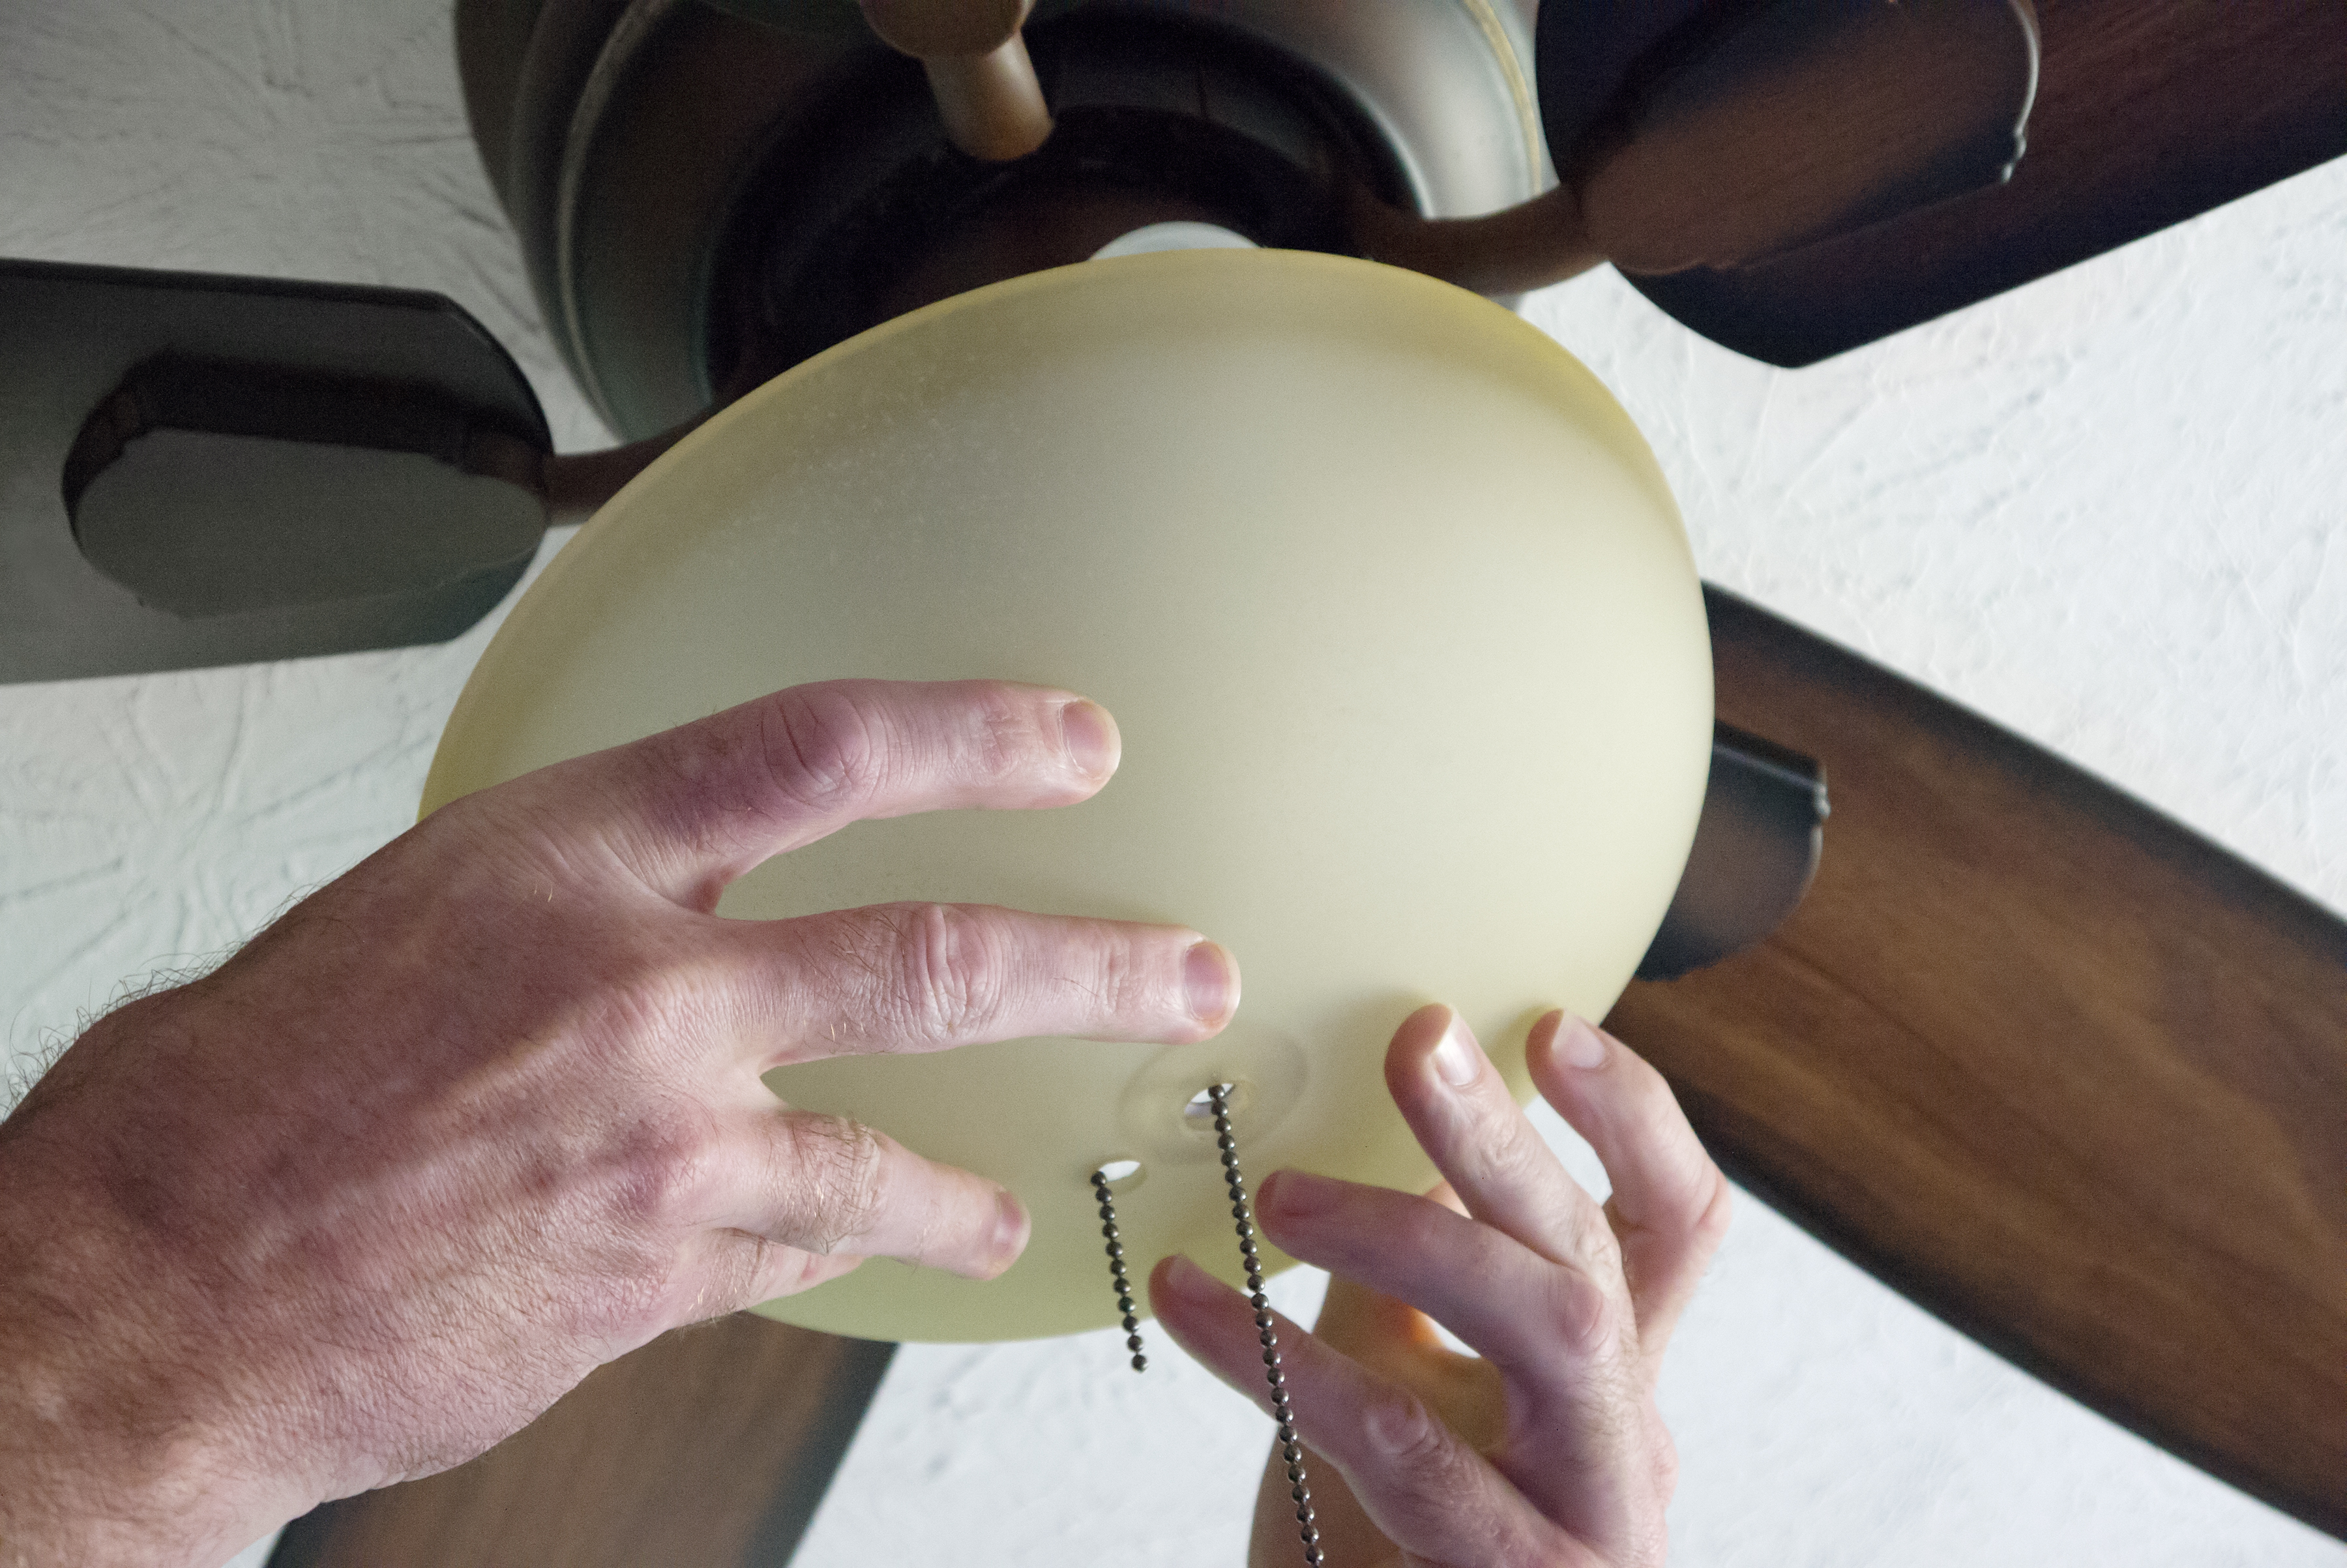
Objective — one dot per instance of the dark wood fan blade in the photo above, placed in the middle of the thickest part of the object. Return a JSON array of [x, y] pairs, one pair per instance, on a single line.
[[1691, 134], [2052, 1066], [709, 1448], [2148, 112], [1762, 130]]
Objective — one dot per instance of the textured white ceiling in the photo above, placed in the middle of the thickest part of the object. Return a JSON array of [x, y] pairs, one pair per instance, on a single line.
[[2100, 509]]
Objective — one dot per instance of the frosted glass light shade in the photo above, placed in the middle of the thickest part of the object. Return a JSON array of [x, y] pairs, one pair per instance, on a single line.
[[1392, 604]]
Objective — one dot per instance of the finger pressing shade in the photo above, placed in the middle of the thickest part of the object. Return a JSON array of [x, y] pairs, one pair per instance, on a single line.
[[926, 977], [691, 808], [827, 1186]]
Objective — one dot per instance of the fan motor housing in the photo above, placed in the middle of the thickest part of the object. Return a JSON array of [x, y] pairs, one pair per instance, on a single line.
[[708, 193]]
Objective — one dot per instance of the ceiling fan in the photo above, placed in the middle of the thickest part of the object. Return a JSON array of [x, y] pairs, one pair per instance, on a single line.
[[1998, 1054]]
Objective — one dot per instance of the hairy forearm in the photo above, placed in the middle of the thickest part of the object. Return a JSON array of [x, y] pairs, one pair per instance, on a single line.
[[83, 1480], [106, 1455]]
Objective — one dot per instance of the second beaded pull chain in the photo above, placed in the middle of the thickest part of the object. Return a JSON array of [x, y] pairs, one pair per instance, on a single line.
[[1291, 1449]]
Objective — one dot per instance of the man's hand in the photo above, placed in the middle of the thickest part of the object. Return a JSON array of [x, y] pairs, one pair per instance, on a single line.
[[485, 1112], [1547, 1450]]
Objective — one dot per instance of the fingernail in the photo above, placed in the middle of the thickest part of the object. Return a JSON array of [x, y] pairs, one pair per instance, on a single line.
[[1211, 976], [1010, 1227], [1581, 1046], [1457, 1056], [1295, 1194], [1091, 737]]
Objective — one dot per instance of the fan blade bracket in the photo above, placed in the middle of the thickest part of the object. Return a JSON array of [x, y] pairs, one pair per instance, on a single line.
[[212, 488], [1757, 128], [1713, 137], [2147, 113], [1756, 851], [200, 470]]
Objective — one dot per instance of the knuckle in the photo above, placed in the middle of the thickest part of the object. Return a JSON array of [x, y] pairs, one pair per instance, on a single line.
[[1122, 981], [1582, 1318], [1408, 1430], [837, 1176], [662, 1173], [1658, 1125], [1004, 739], [1433, 1480], [1511, 1154], [950, 969], [822, 746], [1643, 1108], [1647, 1538], [745, 1269]]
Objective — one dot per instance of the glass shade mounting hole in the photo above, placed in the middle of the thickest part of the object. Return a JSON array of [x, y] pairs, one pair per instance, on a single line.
[[1198, 1115], [1122, 1175]]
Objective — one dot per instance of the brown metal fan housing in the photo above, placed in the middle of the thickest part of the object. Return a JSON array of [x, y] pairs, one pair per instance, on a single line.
[[706, 194]]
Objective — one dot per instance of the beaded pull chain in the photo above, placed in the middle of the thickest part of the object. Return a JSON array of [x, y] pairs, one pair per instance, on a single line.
[[1116, 1269], [1290, 1448]]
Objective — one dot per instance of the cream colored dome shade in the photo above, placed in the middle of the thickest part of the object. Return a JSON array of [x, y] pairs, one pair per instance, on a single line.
[[1388, 597]]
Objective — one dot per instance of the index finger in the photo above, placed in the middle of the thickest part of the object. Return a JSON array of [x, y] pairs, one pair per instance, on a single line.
[[690, 809]]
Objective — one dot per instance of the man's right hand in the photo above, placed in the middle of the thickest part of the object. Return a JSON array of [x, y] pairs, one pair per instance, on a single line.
[[485, 1112]]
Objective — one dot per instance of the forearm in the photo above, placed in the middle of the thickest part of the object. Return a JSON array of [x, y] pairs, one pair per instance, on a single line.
[[109, 1453], [74, 1491]]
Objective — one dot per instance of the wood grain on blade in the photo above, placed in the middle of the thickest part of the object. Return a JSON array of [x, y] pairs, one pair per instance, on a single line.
[[2060, 1071], [2148, 112], [709, 1448]]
